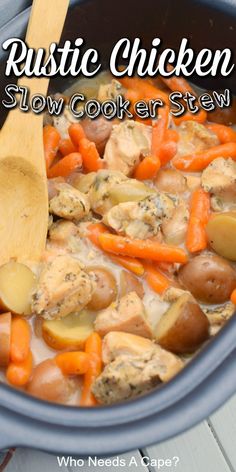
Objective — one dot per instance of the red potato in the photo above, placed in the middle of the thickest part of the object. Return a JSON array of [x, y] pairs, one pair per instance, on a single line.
[[171, 181], [184, 327], [49, 383], [97, 131], [210, 278], [106, 289], [5, 338]]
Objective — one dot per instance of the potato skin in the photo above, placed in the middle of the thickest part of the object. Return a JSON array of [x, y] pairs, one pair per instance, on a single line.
[[189, 330], [98, 131], [210, 278], [171, 181], [105, 291]]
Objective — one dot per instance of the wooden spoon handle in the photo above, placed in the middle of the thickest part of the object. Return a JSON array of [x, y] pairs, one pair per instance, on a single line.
[[45, 27]]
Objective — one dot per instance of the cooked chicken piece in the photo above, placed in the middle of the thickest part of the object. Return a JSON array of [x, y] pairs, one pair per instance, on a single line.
[[63, 121], [63, 287], [172, 294], [128, 142], [175, 228], [62, 230], [109, 91], [193, 182], [69, 203], [195, 137], [130, 376], [140, 219], [219, 315], [117, 343], [219, 178], [128, 315], [99, 193]]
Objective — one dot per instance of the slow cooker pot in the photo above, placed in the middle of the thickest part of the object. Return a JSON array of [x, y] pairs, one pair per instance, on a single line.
[[210, 378]]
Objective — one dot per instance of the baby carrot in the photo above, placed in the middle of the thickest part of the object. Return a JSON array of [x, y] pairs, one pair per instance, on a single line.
[[159, 130], [181, 85], [225, 134], [93, 347], [196, 239], [142, 248], [167, 151], [155, 279], [233, 297], [129, 263], [147, 168], [76, 133], [90, 156], [51, 140], [171, 135], [66, 147], [143, 89], [66, 165], [18, 374], [73, 363], [199, 117], [20, 339], [200, 160]]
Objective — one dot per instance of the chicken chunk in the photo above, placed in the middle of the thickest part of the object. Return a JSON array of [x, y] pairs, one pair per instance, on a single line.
[[63, 287], [99, 192], [175, 228], [219, 315], [117, 343], [109, 91], [195, 137], [63, 121], [128, 315], [219, 178], [130, 376], [62, 230], [69, 203], [140, 219], [128, 142]]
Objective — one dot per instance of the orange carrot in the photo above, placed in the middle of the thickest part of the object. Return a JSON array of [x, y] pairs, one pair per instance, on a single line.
[[143, 89], [167, 151], [66, 165], [129, 263], [90, 157], [73, 363], [176, 83], [93, 347], [155, 279], [196, 239], [66, 147], [18, 374], [200, 160], [233, 297], [199, 117], [51, 140], [171, 135], [225, 134], [76, 133], [20, 339], [147, 168], [158, 130], [141, 248]]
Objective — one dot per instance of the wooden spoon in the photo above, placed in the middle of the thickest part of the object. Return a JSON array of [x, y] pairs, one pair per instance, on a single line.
[[23, 182]]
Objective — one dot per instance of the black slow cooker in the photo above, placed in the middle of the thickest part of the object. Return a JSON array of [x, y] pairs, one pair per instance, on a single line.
[[210, 378]]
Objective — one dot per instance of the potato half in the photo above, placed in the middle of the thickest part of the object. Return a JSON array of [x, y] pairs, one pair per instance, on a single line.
[[184, 327], [221, 232], [68, 332], [16, 286]]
